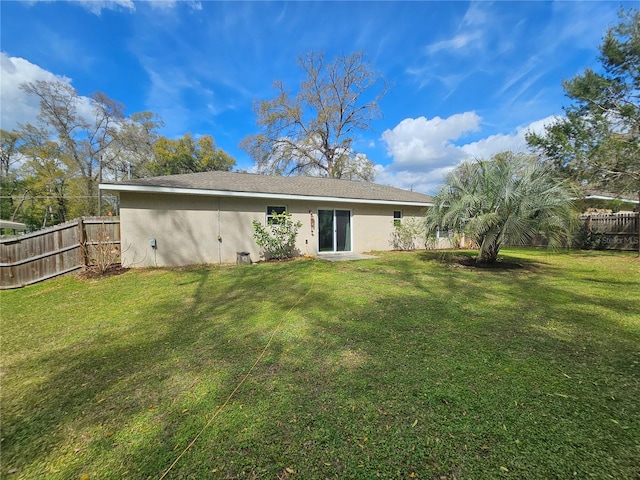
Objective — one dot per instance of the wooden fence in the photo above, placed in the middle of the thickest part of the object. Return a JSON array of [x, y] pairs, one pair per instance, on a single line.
[[37, 256], [614, 231]]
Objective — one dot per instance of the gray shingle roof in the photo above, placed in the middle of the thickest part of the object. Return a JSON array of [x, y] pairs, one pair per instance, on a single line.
[[272, 184]]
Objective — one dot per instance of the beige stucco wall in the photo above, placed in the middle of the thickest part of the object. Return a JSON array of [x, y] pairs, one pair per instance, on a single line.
[[191, 229]]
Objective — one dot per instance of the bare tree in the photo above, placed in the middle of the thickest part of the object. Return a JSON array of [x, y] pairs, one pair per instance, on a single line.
[[85, 127], [313, 131], [95, 137], [9, 143], [132, 153]]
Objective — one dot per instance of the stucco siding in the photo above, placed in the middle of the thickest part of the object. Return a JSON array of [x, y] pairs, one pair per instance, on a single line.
[[192, 229], [373, 226], [183, 228]]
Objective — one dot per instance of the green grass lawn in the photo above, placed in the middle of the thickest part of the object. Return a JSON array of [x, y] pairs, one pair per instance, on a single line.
[[404, 366]]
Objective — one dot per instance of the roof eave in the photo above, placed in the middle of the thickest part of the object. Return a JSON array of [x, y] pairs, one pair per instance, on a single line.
[[10, 225], [609, 197], [237, 194]]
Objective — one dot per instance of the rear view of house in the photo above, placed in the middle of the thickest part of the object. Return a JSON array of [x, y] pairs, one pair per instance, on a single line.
[[207, 217]]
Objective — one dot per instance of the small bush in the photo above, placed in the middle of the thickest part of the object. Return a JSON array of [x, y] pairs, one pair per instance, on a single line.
[[101, 251], [589, 239], [278, 238], [407, 234]]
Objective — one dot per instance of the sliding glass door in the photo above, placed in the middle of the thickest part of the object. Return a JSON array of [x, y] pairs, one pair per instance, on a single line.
[[334, 230]]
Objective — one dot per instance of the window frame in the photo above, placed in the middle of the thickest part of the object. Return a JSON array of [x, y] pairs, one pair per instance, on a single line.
[[397, 219], [279, 209]]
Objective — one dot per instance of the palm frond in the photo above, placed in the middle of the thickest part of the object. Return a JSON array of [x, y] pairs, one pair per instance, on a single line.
[[508, 199]]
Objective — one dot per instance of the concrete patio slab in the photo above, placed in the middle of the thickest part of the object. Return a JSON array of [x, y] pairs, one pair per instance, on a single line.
[[343, 256]]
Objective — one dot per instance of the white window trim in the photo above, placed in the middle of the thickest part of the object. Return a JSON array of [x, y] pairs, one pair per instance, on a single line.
[[268, 214], [398, 220]]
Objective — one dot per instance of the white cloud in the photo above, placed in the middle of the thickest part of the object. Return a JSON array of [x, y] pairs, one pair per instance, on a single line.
[[521, 73], [168, 4], [424, 182], [423, 151], [500, 142], [17, 106], [475, 15], [96, 6], [472, 33], [454, 44], [419, 142], [169, 86], [539, 125]]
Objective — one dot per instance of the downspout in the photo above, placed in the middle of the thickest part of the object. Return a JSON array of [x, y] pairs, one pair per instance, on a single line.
[[219, 234]]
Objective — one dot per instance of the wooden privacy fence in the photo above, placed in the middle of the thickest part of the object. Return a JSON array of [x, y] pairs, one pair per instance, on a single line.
[[53, 251], [615, 231]]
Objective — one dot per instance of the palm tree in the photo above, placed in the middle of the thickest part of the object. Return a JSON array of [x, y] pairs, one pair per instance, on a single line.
[[509, 198]]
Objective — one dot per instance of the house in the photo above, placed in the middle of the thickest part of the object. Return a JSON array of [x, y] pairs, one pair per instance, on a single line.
[[13, 227], [207, 217], [594, 199]]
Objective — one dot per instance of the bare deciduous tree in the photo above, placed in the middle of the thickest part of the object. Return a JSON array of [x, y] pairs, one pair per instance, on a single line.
[[95, 138], [313, 131]]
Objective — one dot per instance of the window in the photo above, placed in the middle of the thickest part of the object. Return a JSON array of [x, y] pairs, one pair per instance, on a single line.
[[397, 218], [443, 231], [271, 209]]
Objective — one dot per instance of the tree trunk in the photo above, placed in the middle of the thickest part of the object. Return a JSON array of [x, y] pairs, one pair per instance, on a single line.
[[488, 255]]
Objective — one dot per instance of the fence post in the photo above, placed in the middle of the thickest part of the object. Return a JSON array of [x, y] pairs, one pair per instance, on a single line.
[[57, 245], [82, 241], [638, 223]]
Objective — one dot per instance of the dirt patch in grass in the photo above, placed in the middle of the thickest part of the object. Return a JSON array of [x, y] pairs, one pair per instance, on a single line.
[[93, 272], [467, 259], [468, 262]]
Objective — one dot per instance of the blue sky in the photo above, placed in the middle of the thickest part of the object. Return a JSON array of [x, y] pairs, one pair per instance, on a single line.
[[468, 79]]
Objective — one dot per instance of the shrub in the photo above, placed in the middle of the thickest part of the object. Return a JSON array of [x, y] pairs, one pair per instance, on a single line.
[[278, 237], [589, 239], [407, 234], [100, 250]]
